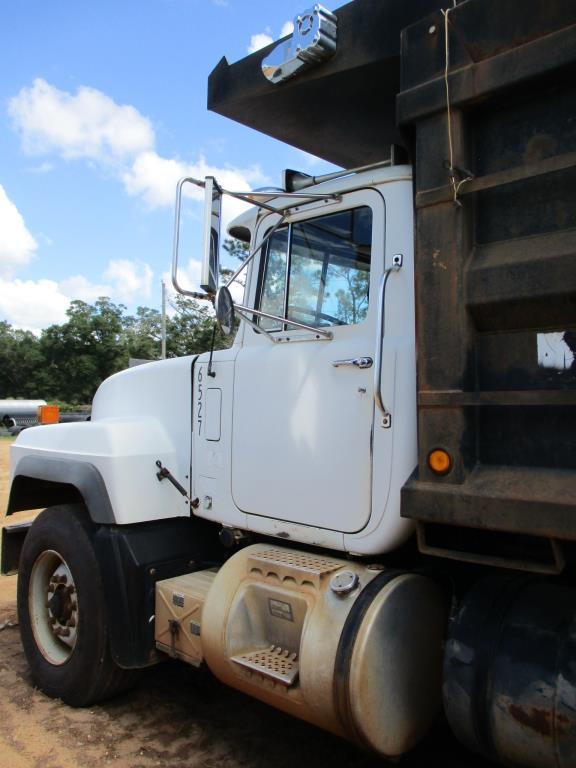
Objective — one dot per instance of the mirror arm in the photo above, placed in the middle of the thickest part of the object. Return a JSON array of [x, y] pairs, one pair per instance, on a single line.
[[245, 199], [284, 320], [258, 248], [256, 327], [251, 197]]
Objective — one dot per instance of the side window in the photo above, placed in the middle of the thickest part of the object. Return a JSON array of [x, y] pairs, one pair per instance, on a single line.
[[274, 283], [328, 270]]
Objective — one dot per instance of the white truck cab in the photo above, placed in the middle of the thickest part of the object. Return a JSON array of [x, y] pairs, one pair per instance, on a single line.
[[333, 407], [291, 403]]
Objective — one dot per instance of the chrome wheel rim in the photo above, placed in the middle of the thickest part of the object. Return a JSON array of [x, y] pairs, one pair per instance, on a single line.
[[53, 607]]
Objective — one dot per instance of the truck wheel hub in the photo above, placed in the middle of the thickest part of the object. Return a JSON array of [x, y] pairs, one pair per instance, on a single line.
[[53, 607]]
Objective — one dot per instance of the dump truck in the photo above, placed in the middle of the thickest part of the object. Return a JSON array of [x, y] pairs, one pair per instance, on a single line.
[[363, 512]]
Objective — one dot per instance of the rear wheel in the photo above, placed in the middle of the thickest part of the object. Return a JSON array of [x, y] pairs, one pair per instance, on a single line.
[[62, 613]]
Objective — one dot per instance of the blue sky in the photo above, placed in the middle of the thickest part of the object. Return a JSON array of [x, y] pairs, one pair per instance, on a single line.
[[102, 109]]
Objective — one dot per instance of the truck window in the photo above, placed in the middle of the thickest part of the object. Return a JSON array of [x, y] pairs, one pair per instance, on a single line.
[[274, 283], [328, 275]]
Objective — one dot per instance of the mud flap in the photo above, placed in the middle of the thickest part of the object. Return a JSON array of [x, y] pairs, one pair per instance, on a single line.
[[12, 541]]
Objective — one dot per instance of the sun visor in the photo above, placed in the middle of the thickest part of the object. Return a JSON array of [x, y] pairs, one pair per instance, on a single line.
[[341, 109]]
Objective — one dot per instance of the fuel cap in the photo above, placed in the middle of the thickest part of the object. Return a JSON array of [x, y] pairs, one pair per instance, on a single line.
[[344, 582]]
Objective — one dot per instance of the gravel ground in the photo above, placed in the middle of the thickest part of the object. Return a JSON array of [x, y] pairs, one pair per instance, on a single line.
[[175, 718]]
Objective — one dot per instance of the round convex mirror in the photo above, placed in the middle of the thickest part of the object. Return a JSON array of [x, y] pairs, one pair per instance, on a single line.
[[224, 307]]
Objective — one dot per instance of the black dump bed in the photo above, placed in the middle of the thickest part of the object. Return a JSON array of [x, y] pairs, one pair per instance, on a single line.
[[496, 267], [496, 271]]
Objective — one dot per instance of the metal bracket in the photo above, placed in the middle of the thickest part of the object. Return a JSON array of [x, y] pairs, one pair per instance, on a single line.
[[260, 199], [165, 474], [243, 311], [174, 626], [312, 42]]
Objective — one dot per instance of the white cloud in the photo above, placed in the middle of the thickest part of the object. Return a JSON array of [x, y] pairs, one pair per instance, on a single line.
[[154, 178], [262, 39], [190, 275], [36, 304], [89, 124], [79, 287], [126, 280], [32, 305], [17, 246], [130, 279], [259, 40]]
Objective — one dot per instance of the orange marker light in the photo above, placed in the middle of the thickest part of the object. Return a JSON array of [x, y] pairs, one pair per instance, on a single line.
[[48, 414], [439, 461]]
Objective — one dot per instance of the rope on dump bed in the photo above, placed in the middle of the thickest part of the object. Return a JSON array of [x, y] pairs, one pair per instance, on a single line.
[[452, 170]]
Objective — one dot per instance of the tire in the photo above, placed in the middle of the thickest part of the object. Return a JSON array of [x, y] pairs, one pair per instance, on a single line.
[[62, 612]]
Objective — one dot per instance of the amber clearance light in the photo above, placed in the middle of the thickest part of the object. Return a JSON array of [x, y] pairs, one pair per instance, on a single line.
[[48, 414], [439, 461]]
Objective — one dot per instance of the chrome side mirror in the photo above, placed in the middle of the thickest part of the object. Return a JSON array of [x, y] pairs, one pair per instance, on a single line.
[[224, 307], [212, 218]]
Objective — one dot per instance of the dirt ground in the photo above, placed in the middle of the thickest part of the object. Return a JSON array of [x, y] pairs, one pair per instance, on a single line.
[[175, 718]]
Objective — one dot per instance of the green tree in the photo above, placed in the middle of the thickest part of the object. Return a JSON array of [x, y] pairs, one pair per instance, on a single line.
[[90, 346], [143, 333], [353, 299], [69, 361], [236, 248], [21, 363], [190, 330]]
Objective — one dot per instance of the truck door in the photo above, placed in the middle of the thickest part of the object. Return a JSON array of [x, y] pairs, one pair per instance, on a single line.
[[304, 406]]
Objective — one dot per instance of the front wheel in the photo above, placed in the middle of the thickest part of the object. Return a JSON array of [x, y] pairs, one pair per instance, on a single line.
[[62, 613]]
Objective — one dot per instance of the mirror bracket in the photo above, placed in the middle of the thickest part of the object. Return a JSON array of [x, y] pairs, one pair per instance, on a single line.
[[213, 194]]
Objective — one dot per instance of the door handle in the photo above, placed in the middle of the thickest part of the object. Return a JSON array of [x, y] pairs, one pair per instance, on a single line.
[[356, 362]]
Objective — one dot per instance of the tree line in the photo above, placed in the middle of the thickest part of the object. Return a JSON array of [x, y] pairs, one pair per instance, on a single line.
[[68, 362]]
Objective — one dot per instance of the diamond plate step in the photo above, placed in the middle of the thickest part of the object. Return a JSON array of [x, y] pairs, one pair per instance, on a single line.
[[274, 662]]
